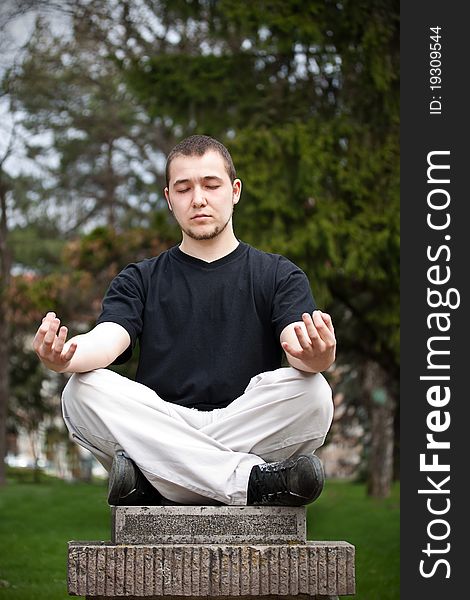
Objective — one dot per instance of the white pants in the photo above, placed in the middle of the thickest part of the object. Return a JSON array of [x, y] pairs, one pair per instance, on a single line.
[[192, 456]]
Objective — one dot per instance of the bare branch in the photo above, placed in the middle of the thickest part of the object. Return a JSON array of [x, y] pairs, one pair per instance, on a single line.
[[19, 8]]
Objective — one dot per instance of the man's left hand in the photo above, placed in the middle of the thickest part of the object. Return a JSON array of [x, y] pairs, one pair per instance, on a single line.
[[310, 344]]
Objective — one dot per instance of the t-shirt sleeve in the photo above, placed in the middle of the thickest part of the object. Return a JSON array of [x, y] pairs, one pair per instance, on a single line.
[[292, 296], [123, 304]]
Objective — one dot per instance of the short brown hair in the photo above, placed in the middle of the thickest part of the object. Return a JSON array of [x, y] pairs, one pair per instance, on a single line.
[[198, 145]]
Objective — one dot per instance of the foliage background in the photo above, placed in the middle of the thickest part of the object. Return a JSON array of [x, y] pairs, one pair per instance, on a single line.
[[306, 97], [94, 94]]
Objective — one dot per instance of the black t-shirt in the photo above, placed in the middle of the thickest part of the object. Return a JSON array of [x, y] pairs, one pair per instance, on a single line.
[[205, 329]]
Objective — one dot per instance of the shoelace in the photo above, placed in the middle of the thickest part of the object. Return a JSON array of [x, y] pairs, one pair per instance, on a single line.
[[274, 486]]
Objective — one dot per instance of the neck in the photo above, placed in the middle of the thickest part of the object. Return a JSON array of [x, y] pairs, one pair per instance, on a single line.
[[210, 250]]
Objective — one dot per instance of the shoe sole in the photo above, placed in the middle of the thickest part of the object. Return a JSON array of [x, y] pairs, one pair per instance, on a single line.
[[117, 479], [119, 494], [317, 466]]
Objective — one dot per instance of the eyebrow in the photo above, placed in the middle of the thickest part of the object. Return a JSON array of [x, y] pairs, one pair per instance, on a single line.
[[205, 179]]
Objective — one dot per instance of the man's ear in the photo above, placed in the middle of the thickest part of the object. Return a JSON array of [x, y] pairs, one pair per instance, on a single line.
[[167, 198], [236, 190]]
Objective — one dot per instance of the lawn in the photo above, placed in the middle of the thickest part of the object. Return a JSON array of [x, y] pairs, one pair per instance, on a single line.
[[37, 520], [343, 512]]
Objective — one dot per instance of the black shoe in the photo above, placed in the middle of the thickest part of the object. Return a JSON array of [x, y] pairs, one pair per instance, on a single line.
[[292, 482], [127, 485]]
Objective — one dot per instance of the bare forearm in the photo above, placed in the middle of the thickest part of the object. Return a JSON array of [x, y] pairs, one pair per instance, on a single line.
[[91, 353], [93, 350]]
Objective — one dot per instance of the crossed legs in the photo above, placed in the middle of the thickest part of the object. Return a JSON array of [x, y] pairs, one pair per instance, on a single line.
[[191, 456]]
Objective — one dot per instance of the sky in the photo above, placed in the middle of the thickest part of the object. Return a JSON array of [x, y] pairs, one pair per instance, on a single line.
[[14, 33]]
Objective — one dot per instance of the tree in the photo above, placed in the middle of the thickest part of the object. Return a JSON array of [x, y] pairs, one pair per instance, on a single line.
[[100, 164], [85, 144], [9, 185], [306, 97], [5, 268], [33, 396], [11, 202]]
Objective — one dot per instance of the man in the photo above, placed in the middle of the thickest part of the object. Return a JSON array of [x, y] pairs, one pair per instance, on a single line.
[[211, 417]]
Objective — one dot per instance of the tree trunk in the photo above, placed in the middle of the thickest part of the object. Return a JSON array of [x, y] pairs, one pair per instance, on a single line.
[[4, 389], [381, 415], [5, 268]]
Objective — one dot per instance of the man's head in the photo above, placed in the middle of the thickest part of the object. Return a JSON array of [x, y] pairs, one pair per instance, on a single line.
[[202, 188], [198, 145]]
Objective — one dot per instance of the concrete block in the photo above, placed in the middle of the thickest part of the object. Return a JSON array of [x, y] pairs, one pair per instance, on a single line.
[[299, 597], [208, 525], [227, 571]]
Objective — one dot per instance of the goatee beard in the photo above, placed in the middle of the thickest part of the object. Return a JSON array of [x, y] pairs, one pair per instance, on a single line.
[[210, 235]]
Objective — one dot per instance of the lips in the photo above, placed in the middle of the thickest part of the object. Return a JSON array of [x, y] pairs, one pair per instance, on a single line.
[[200, 216]]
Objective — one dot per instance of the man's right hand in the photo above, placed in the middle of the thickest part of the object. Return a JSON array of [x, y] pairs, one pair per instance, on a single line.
[[50, 344]]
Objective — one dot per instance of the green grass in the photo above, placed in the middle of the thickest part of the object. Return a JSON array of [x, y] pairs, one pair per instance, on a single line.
[[37, 520], [343, 512]]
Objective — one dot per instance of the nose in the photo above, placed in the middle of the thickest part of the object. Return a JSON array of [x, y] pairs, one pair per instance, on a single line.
[[199, 198]]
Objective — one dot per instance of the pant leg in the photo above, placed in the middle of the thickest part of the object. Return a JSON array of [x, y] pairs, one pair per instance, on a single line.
[[105, 412], [281, 413]]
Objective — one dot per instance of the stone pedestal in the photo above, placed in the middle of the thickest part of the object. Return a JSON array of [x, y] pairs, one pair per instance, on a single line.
[[208, 525], [224, 552]]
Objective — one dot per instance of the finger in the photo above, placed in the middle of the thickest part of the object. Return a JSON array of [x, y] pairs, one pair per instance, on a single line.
[[60, 341], [70, 352], [311, 329], [50, 336], [328, 322], [304, 341], [291, 350], [39, 337], [324, 332], [42, 330]]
